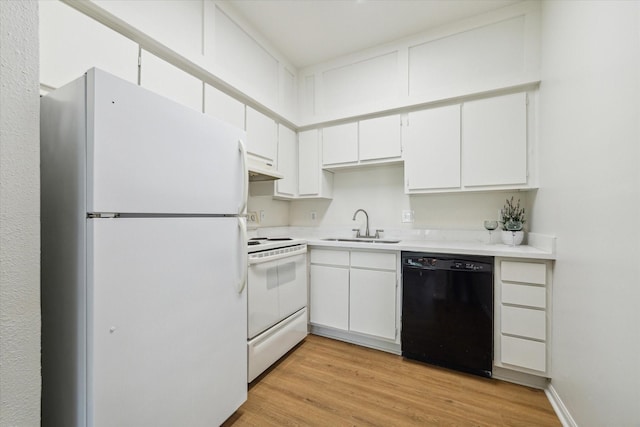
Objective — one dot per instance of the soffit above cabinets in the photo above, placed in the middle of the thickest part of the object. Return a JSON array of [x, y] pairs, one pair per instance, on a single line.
[[314, 31]]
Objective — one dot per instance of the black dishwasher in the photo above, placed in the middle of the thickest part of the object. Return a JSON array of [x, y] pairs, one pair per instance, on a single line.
[[447, 311]]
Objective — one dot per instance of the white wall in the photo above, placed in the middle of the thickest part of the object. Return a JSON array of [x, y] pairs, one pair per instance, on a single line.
[[590, 198], [380, 191], [19, 215]]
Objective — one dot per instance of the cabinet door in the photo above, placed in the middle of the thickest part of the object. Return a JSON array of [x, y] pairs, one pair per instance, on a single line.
[[71, 43], [163, 78], [380, 138], [432, 149], [308, 163], [220, 105], [495, 141], [262, 138], [329, 296], [287, 162], [340, 144], [372, 303]]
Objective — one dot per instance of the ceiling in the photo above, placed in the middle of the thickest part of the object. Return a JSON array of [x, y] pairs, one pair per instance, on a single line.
[[308, 32]]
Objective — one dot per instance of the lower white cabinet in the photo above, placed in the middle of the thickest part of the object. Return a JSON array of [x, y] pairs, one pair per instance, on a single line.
[[329, 296], [522, 315], [355, 291], [372, 302]]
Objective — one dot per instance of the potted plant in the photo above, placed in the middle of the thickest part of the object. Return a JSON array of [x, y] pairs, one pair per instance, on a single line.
[[512, 219]]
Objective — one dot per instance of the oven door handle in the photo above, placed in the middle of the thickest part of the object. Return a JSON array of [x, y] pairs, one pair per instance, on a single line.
[[253, 261]]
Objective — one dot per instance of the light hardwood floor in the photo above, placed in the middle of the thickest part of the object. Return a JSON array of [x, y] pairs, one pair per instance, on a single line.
[[324, 382]]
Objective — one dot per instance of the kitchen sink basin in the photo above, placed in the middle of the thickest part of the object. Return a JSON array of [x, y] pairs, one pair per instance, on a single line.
[[360, 240]]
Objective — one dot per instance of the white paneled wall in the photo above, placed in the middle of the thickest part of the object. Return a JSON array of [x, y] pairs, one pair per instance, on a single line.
[[71, 43], [465, 62], [178, 24], [370, 83], [241, 59], [199, 36], [485, 53]]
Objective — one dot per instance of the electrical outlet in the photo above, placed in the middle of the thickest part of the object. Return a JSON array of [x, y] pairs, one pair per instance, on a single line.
[[407, 216], [314, 216], [263, 215], [252, 217]]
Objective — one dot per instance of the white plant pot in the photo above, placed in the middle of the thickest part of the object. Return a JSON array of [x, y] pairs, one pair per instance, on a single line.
[[509, 239]]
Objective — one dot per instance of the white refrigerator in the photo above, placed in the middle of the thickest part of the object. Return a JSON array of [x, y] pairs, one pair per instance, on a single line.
[[144, 310]]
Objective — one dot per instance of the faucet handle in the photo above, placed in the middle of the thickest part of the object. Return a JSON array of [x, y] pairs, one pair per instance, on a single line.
[[357, 230], [378, 231]]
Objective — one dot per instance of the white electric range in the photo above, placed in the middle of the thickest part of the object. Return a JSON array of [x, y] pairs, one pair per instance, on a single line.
[[277, 299]]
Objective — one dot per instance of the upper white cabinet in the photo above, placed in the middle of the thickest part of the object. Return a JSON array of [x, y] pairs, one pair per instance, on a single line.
[[380, 138], [71, 43], [313, 181], [222, 106], [340, 144], [376, 140], [165, 79], [478, 145], [494, 132], [432, 149], [262, 135], [287, 163]]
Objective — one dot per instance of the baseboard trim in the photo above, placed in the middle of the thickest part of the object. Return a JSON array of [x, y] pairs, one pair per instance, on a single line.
[[365, 341], [558, 406]]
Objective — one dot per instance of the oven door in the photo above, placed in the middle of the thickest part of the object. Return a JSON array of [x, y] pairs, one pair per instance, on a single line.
[[277, 288]]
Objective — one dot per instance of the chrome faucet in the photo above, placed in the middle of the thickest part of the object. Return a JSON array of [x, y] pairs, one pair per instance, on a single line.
[[367, 228]]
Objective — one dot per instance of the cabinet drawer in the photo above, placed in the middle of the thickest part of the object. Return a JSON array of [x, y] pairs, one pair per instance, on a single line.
[[524, 322], [532, 296], [524, 353], [375, 260], [526, 272], [326, 256]]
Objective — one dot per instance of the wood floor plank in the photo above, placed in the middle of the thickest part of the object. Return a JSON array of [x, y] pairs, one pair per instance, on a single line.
[[325, 382]]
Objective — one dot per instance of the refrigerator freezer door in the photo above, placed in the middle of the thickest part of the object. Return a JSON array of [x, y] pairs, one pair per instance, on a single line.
[[148, 154], [166, 322]]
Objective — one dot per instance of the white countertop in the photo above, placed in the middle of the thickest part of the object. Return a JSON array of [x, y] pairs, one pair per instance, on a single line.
[[462, 242], [460, 248]]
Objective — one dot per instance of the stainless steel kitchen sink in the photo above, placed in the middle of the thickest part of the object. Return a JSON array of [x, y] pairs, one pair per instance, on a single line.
[[360, 240]]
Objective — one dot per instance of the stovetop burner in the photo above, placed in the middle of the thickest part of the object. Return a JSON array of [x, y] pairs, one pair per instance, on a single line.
[[257, 244]]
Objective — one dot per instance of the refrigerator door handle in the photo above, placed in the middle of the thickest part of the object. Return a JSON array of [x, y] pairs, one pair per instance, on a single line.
[[244, 257], [245, 175]]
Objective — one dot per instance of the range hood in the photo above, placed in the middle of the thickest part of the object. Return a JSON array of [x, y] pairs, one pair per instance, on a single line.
[[261, 170]]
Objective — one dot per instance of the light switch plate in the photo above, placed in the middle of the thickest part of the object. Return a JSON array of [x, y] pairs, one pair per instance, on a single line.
[[407, 216]]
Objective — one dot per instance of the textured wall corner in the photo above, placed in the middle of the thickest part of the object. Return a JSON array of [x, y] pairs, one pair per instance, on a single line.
[[20, 379]]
